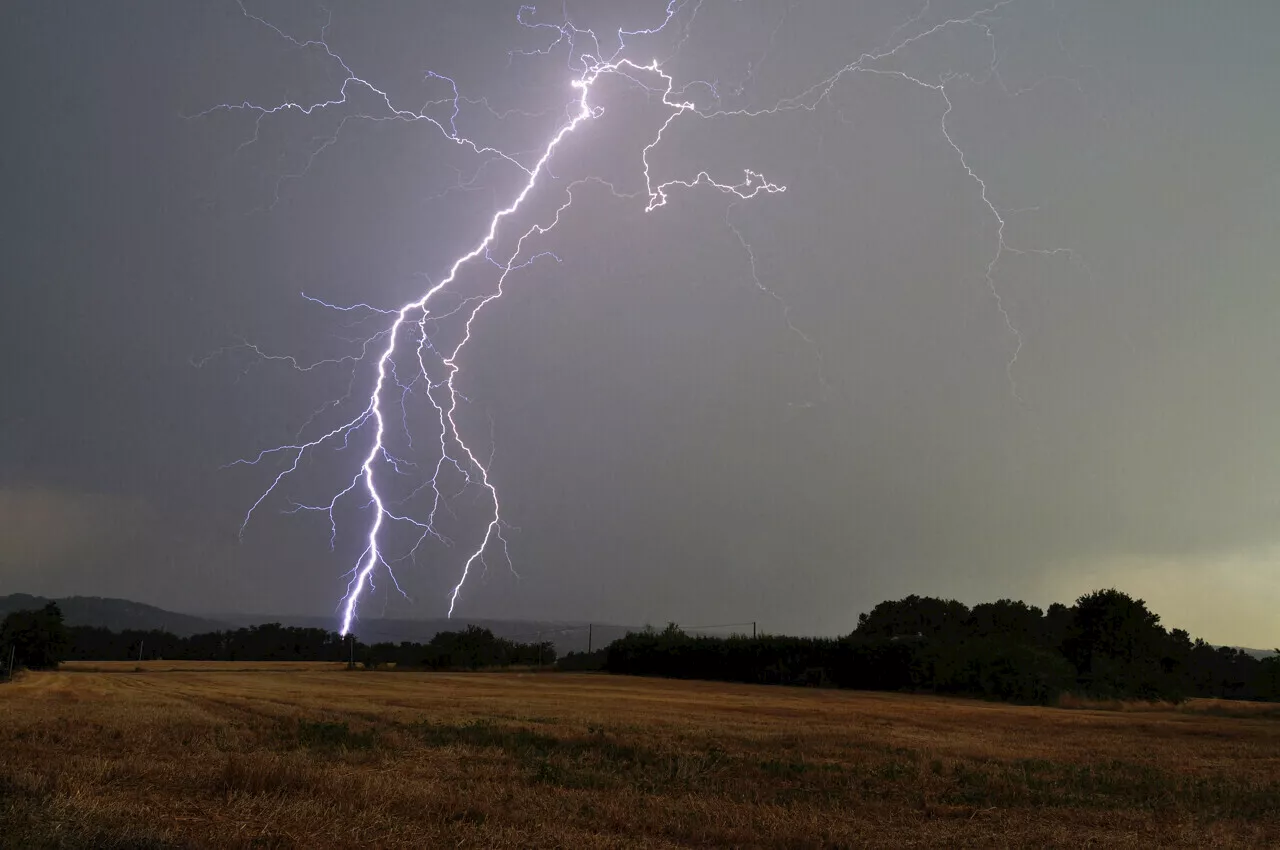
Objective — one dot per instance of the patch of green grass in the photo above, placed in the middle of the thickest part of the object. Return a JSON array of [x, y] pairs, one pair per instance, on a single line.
[[595, 760], [485, 733], [784, 769], [323, 735]]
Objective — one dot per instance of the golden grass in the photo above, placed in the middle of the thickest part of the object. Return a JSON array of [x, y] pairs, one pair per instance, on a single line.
[[1223, 707], [257, 757]]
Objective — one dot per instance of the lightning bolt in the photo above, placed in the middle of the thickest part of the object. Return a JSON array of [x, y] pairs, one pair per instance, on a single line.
[[409, 341], [442, 392]]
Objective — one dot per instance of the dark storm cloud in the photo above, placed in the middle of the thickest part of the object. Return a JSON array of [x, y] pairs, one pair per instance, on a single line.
[[666, 446]]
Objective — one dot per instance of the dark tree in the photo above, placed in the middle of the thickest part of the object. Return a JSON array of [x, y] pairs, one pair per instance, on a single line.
[[1007, 620], [476, 647], [1119, 648], [923, 616], [1054, 628], [1266, 678], [37, 639]]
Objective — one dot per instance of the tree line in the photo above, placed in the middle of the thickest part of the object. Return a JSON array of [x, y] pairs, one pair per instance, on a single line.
[[472, 648], [39, 639], [1107, 645]]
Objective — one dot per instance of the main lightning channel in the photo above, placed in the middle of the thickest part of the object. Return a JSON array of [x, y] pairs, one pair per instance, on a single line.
[[372, 555], [752, 184], [418, 312]]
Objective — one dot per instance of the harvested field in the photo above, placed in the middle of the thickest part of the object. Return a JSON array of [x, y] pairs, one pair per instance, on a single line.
[[248, 755]]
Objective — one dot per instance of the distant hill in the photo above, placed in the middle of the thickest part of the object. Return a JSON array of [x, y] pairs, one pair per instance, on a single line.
[[114, 614]]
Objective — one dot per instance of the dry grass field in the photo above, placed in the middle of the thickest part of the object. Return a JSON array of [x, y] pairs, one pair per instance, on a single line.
[[242, 755]]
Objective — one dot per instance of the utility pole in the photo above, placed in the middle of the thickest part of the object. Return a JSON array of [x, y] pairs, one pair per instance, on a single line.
[[351, 665], [753, 629], [588, 638], [141, 644], [12, 651]]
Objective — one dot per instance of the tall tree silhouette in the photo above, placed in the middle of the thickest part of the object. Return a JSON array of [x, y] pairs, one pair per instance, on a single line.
[[912, 616], [38, 639]]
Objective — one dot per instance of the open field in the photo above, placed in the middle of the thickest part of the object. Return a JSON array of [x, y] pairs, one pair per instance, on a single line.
[[260, 756]]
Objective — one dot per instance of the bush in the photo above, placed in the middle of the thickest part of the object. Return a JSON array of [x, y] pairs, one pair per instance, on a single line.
[[999, 670], [36, 639]]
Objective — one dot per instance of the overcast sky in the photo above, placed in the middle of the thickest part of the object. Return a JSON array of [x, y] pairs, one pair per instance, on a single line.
[[669, 440]]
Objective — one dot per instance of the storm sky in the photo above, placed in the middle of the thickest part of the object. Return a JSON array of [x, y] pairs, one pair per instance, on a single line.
[[669, 440]]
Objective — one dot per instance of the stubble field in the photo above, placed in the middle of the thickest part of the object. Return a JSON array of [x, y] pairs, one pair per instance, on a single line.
[[246, 755]]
